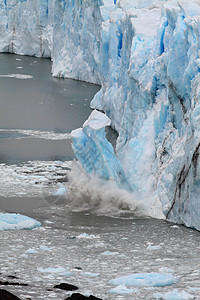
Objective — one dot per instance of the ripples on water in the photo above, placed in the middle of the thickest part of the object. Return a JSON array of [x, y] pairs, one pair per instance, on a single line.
[[37, 113]]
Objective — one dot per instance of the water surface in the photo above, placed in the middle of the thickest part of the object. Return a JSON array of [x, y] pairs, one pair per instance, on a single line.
[[39, 103]]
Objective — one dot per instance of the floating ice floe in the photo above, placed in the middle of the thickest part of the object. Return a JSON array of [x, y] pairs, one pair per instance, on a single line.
[[17, 76], [110, 253], [33, 178], [68, 274], [145, 279], [87, 236], [122, 290], [61, 191], [59, 270], [155, 247], [89, 274], [17, 222], [45, 248], [51, 270], [174, 295], [31, 251]]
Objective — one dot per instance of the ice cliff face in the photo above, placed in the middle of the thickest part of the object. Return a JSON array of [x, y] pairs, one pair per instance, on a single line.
[[145, 55], [76, 41], [26, 27], [149, 53]]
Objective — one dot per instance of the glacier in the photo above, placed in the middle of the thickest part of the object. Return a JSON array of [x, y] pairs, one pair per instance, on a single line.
[[145, 55], [26, 27]]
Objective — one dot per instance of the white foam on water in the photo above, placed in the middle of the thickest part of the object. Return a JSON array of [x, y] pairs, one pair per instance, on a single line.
[[81, 192], [90, 193]]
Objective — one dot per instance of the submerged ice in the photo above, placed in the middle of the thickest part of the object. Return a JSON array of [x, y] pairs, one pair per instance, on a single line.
[[145, 55]]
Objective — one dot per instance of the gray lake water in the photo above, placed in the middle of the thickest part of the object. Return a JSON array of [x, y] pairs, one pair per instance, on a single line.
[[41, 103], [77, 247]]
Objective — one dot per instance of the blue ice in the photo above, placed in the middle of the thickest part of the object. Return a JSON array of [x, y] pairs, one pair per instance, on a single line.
[[17, 222]]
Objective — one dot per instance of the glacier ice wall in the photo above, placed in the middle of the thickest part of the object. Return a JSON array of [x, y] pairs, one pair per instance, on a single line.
[[26, 27], [76, 40], [150, 91], [145, 54]]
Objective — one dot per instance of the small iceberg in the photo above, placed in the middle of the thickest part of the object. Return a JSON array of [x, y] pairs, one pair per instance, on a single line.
[[52, 270], [145, 279], [110, 253], [90, 274], [174, 295], [31, 251], [17, 222], [122, 290], [61, 191]]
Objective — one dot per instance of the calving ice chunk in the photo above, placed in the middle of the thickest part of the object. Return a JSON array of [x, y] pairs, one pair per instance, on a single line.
[[145, 55], [95, 152]]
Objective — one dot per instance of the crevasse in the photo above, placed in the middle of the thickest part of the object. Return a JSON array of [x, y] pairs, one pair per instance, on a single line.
[[145, 55]]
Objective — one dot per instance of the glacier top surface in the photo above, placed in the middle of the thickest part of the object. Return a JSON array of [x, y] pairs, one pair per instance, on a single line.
[[97, 120], [145, 21]]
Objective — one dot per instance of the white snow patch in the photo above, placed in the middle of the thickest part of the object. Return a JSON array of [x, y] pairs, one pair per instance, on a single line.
[[97, 120]]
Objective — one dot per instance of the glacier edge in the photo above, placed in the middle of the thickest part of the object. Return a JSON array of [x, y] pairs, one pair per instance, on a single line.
[[146, 57]]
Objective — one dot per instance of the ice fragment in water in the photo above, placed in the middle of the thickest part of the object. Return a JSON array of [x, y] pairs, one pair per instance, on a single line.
[[145, 279], [17, 222]]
